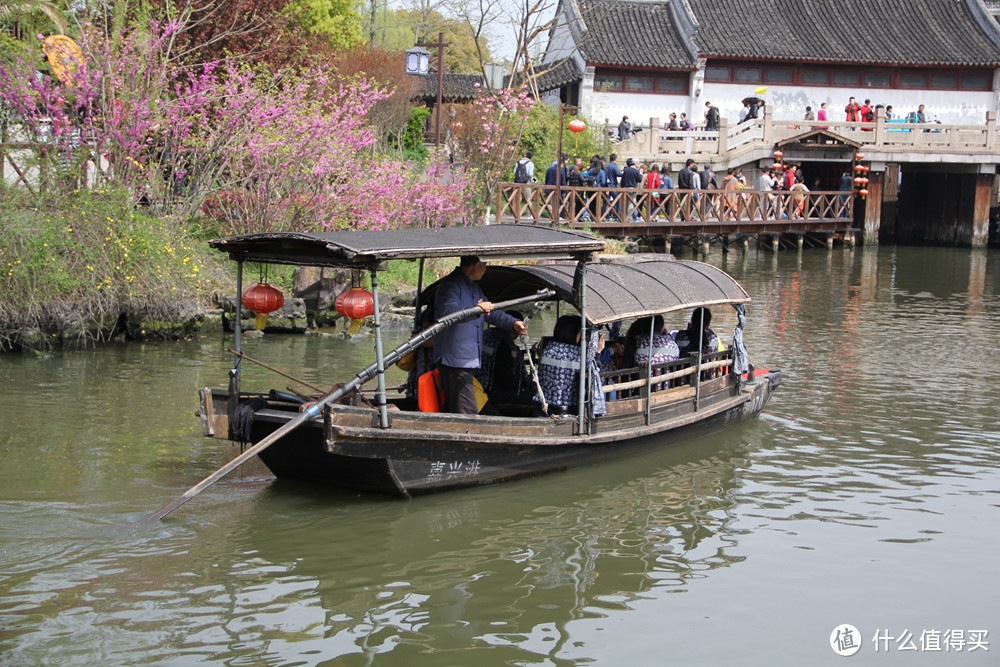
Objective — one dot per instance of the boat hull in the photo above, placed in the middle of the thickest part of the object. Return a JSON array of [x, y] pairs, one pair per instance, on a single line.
[[422, 453]]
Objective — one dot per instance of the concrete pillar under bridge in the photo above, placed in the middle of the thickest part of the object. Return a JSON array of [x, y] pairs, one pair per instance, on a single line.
[[942, 207]]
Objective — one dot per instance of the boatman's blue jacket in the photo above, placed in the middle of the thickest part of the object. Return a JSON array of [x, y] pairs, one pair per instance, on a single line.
[[461, 345]]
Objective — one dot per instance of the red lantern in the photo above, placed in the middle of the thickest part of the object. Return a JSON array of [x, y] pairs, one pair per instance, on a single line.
[[859, 156], [356, 303], [857, 180], [577, 125], [859, 168], [777, 166], [778, 155], [864, 181], [262, 299], [863, 192]]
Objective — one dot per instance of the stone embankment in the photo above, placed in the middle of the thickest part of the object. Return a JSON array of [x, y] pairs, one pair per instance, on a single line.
[[80, 324]]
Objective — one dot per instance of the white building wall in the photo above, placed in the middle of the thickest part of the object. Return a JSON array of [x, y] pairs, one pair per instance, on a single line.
[[599, 106], [785, 102], [950, 107], [561, 43]]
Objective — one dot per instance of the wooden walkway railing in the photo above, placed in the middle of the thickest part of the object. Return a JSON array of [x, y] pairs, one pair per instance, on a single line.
[[675, 212]]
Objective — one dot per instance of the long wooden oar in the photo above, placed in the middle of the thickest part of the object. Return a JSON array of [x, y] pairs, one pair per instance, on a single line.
[[363, 376]]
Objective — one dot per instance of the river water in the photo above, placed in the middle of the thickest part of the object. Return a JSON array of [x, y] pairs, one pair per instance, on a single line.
[[868, 494]]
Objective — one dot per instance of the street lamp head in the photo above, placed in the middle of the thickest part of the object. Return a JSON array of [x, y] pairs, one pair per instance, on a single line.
[[417, 60]]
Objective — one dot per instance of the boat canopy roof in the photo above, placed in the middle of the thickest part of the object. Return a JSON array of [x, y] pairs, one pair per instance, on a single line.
[[367, 249], [619, 288]]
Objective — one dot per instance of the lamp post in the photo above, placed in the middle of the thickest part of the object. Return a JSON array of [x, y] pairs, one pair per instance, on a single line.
[[559, 170], [418, 62]]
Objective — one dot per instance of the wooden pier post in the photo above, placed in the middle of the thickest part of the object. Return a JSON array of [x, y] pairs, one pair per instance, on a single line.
[[981, 211], [873, 207]]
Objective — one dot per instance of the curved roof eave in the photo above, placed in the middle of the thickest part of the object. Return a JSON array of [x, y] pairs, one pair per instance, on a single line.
[[619, 290]]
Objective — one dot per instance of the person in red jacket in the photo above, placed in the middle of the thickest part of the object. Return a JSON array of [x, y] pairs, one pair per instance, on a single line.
[[653, 182], [853, 111], [790, 174], [867, 113]]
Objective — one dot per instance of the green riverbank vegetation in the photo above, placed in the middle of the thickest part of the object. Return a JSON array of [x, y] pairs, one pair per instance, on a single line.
[[122, 158]]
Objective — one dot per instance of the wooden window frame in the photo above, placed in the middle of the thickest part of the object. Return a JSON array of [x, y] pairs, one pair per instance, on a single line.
[[789, 82], [729, 75], [922, 75], [987, 84], [683, 79], [760, 69]]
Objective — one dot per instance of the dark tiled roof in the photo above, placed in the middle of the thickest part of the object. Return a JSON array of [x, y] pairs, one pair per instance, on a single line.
[[904, 32], [632, 34], [554, 75], [454, 87]]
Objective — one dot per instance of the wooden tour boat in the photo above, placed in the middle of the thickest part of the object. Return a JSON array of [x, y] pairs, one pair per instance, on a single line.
[[385, 448]]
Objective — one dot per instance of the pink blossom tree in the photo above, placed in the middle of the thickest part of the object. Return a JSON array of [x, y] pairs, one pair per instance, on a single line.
[[490, 134], [287, 150]]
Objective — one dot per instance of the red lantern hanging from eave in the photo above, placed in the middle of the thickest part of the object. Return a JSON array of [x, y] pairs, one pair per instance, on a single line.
[[863, 192], [577, 126], [262, 299], [778, 155], [859, 156], [356, 303]]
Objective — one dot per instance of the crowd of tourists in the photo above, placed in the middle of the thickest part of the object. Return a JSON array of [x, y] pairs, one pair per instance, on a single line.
[[645, 176], [753, 108]]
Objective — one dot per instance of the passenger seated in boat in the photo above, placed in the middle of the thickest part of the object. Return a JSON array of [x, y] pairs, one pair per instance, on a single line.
[[503, 374], [501, 368], [687, 339], [664, 347], [611, 360], [612, 355], [560, 364]]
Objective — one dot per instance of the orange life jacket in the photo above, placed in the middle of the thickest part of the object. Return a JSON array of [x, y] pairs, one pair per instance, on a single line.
[[430, 398]]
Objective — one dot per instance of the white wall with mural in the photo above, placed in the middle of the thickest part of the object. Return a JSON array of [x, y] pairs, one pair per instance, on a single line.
[[789, 102], [785, 102], [639, 108]]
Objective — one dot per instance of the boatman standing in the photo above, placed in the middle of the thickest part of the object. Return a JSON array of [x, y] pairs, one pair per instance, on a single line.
[[458, 348]]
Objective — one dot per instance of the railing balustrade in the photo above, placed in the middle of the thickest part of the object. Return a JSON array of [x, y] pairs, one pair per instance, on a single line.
[[537, 204], [894, 138]]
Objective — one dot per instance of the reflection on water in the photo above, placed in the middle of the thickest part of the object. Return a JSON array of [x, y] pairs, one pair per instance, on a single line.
[[868, 494]]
